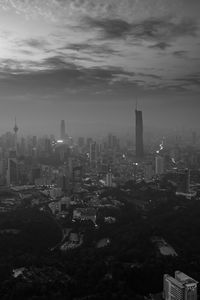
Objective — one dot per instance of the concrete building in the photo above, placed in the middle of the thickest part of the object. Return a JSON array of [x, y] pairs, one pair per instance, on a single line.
[[93, 154], [159, 165], [109, 181], [15, 136], [12, 169], [139, 134], [182, 287], [148, 171], [62, 130]]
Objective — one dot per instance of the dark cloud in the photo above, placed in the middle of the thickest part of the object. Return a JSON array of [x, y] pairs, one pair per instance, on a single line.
[[110, 28], [191, 79], [36, 43], [83, 59], [161, 46], [57, 62], [57, 75], [149, 75], [102, 49], [27, 52], [160, 30], [10, 66], [180, 53]]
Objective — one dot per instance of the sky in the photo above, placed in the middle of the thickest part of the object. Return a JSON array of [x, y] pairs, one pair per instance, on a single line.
[[89, 61]]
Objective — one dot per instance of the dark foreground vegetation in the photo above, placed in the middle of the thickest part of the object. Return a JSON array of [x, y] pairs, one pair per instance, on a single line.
[[130, 267]]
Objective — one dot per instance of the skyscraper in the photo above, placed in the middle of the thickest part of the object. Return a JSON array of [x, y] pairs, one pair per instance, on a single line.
[[159, 165], [139, 134], [62, 130], [12, 169], [15, 135], [93, 154], [109, 176]]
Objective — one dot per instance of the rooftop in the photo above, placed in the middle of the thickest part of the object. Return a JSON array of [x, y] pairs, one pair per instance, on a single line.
[[183, 278]]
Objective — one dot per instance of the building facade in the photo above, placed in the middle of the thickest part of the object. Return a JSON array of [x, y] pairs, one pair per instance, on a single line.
[[182, 287], [139, 134]]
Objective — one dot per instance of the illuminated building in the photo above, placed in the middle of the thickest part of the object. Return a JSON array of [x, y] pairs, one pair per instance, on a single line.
[[139, 134], [182, 287]]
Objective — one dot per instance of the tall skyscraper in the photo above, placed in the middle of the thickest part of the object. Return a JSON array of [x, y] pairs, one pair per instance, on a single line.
[[62, 130], [139, 134], [159, 165], [12, 169], [93, 154], [109, 177], [182, 287], [15, 135]]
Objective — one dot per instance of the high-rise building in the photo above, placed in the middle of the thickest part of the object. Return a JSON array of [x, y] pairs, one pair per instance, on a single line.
[[183, 181], [159, 165], [139, 134], [93, 154], [109, 181], [81, 142], [182, 287], [148, 171], [15, 135], [12, 169], [62, 130], [194, 138]]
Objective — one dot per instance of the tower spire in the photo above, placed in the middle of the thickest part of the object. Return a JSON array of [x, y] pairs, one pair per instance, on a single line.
[[136, 104], [15, 127]]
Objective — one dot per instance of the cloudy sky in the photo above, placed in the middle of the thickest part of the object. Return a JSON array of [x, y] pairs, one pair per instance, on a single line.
[[87, 61]]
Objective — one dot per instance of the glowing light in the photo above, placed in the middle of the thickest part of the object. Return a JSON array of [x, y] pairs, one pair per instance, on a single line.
[[60, 141], [161, 147]]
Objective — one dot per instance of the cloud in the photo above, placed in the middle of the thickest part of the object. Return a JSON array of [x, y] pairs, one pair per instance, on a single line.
[[190, 79], [57, 62], [160, 46], [110, 28], [102, 49], [152, 29], [180, 53], [36, 43], [149, 75], [57, 75], [123, 9]]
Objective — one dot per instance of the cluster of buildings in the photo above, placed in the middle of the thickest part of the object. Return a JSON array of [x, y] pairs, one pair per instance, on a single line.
[[109, 162], [69, 177], [9, 200]]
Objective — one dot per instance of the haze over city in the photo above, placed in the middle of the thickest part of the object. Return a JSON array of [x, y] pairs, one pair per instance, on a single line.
[[88, 61], [99, 149]]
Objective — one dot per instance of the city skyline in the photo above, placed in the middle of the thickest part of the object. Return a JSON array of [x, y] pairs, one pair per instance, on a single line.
[[87, 61]]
